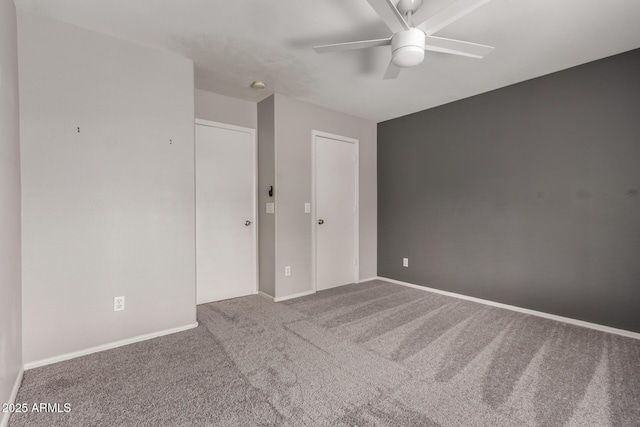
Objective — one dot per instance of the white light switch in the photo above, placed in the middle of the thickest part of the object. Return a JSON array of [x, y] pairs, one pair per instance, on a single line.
[[405, 262], [307, 208], [271, 208]]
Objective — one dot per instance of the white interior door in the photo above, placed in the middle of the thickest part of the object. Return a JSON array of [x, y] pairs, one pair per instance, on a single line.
[[225, 211], [336, 211]]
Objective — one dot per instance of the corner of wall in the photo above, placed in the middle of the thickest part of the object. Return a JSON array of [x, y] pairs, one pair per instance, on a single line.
[[266, 179], [10, 204]]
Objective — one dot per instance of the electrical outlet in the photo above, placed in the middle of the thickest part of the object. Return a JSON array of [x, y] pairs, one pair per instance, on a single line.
[[118, 304], [307, 208], [287, 271], [405, 262]]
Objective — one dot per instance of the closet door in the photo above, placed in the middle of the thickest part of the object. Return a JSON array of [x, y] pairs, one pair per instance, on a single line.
[[336, 225], [225, 163]]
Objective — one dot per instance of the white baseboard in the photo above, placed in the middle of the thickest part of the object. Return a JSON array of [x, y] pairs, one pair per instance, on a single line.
[[108, 346], [4, 422], [368, 279], [298, 295], [597, 327], [264, 295]]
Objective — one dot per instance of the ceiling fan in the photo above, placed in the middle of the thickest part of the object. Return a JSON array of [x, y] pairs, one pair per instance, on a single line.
[[409, 41]]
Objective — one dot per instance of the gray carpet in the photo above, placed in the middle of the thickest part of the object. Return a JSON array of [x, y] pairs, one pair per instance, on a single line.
[[371, 354]]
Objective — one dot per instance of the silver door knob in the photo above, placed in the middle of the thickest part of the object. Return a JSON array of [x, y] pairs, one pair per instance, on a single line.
[[247, 223], [321, 221]]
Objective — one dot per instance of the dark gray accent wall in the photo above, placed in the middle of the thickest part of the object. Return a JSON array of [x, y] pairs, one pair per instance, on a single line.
[[527, 195]]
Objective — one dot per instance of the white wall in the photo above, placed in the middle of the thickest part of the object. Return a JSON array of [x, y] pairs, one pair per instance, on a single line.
[[109, 210], [294, 122], [10, 287], [223, 109]]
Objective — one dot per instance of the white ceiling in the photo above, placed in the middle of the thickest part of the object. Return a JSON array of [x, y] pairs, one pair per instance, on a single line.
[[234, 42]]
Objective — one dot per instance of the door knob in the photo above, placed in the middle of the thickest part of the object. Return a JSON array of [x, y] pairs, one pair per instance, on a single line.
[[321, 221], [247, 223]]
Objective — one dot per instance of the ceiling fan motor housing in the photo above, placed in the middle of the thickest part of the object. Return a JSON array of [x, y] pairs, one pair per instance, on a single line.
[[408, 48], [405, 6]]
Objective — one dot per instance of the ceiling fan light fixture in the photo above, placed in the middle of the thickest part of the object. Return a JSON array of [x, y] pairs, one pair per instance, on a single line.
[[408, 48], [410, 26], [408, 56]]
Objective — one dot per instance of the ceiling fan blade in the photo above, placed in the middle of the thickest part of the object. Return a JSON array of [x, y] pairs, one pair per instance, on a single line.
[[392, 71], [339, 47], [389, 14], [450, 14], [457, 47]]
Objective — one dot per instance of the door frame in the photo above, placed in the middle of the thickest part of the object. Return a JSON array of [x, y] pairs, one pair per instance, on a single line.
[[254, 181], [314, 213]]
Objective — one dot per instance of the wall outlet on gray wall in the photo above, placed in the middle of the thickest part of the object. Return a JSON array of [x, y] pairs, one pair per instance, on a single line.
[[118, 304], [287, 271], [405, 262]]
